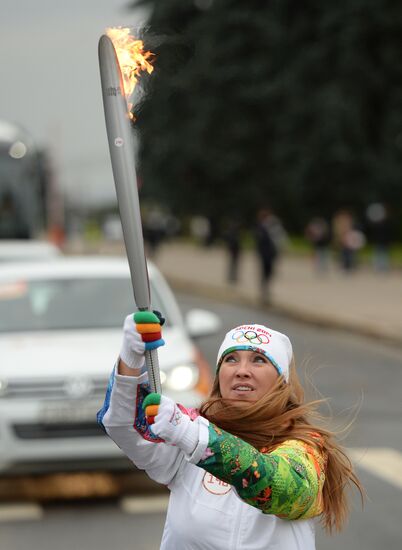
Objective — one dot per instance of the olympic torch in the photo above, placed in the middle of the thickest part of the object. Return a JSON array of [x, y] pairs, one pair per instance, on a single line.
[[119, 132]]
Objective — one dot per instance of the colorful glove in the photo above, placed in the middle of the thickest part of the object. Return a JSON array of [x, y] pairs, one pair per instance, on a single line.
[[141, 332], [148, 324], [168, 422]]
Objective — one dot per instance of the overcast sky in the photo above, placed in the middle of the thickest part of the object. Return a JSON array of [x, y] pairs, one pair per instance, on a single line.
[[50, 83]]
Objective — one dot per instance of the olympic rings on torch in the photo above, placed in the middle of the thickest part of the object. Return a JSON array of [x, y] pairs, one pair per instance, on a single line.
[[250, 337]]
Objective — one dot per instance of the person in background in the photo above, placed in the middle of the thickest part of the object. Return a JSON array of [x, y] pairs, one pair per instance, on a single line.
[[232, 239], [154, 227], [252, 467], [270, 238], [380, 234], [318, 233], [348, 239]]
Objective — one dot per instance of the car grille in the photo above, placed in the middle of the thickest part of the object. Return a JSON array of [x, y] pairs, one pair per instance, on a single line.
[[55, 388], [58, 431]]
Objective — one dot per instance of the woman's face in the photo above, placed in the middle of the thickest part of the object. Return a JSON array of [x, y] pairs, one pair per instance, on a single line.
[[246, 375]]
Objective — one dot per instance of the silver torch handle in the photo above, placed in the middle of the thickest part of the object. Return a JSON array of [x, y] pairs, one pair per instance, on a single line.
[[121, 146]]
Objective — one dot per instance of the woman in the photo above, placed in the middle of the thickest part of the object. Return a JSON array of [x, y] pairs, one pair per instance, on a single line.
[[249, 470]]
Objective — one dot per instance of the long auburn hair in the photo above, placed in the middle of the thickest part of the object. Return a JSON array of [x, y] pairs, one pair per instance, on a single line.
[[283, 414]]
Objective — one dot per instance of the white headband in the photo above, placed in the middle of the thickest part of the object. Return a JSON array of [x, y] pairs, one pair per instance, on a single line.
[[274, 345]]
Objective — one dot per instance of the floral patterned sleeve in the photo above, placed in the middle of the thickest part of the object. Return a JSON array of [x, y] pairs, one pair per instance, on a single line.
[[286, 482]]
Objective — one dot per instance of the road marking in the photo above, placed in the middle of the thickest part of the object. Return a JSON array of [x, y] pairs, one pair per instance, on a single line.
[[144, 505], [20, 512], [382, 462]]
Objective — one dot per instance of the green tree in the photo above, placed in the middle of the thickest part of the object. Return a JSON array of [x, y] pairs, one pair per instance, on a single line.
[[293, 104]]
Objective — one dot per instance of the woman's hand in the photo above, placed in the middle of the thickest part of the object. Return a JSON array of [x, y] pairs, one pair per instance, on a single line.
[[141, 332], [168, 422]]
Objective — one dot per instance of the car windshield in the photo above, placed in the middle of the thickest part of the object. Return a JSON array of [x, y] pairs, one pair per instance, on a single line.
[[68, 304]]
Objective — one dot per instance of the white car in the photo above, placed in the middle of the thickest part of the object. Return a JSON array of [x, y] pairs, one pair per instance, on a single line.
[[60, 335], [27, 251]]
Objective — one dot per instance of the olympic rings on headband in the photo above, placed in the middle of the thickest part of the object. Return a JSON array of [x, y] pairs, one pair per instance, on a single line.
[[250, 337]]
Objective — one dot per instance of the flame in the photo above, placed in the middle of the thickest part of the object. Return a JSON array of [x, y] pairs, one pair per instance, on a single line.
[[132, 59]]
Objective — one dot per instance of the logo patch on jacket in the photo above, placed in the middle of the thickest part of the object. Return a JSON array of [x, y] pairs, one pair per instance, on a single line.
[[214, 485]]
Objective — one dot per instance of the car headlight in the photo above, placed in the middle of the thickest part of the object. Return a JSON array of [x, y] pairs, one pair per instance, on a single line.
[[182, 377]]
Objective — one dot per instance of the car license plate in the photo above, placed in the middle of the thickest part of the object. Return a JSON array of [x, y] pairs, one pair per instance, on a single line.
[[69, 411]]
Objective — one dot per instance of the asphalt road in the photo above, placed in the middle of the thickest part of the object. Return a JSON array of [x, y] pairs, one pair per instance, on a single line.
[[363, 379]]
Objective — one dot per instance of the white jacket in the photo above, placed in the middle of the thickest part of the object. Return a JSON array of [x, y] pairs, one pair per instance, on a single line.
[[204, 513]]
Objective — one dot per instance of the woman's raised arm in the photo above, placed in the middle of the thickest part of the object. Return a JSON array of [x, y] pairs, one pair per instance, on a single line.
[[123, 419], [286, 482]]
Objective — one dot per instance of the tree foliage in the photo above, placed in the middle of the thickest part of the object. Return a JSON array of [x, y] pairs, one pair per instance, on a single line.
[[296, 104]]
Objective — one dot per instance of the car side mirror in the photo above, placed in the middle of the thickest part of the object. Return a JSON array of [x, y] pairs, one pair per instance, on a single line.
[[201, 322]]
